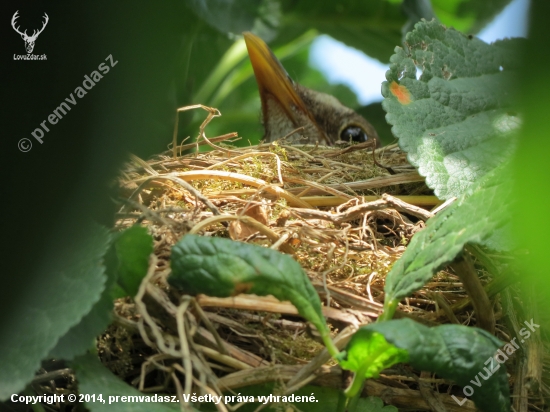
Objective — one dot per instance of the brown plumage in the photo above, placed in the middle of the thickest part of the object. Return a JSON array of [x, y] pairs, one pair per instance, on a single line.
[[286, 105]]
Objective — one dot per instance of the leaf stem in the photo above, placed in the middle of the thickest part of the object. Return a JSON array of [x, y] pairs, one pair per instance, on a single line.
[[357, 383], [389, 310], [329, 344]]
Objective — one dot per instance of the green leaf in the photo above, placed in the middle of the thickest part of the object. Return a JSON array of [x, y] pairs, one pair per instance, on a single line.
[[133, 248], [457, 121], [81, 337], [471, 219], [455, 352], [127, 261], [221, 267], [68, 290], [368, 353], [95, 379]]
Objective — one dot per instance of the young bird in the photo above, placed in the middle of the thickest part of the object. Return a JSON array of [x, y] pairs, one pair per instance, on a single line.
[[286, 105]]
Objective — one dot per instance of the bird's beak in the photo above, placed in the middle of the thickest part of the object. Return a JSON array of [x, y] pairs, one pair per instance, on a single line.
[[274, 82]]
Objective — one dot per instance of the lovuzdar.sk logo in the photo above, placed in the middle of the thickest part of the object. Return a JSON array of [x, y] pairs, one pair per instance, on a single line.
[[29, 40]]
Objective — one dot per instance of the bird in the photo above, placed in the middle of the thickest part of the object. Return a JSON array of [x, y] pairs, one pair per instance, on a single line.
[[287, 105]]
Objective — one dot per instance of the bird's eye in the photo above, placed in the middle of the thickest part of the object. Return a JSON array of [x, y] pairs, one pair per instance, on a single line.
[[353, 133]]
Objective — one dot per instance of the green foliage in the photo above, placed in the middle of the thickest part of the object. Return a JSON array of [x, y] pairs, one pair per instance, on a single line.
[[133, 248], [127, 263], [457, 127], [81, 337], [95, 379], [67, 326], [471, 219], [68, 292], [368, 353], [453, 352], [456, 122], [222, 267]]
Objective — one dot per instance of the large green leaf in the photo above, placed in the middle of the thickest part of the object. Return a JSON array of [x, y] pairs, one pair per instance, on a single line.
[[81, 337], [70, 287], [222, 267], [471, 219], [127, 263], [96, 380], [456, 121], [464, 354]]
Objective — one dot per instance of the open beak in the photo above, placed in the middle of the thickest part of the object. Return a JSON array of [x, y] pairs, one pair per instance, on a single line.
[[274, 82]]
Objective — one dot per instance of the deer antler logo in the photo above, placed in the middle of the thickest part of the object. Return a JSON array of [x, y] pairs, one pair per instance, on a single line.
[[29, 40]]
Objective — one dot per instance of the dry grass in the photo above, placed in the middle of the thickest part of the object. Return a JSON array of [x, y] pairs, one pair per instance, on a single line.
[[322, 205]]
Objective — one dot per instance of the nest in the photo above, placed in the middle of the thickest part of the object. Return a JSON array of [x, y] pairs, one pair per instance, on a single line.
[[346, 214]]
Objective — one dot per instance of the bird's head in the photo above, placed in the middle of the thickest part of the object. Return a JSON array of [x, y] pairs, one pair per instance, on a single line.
[[286, 105]]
